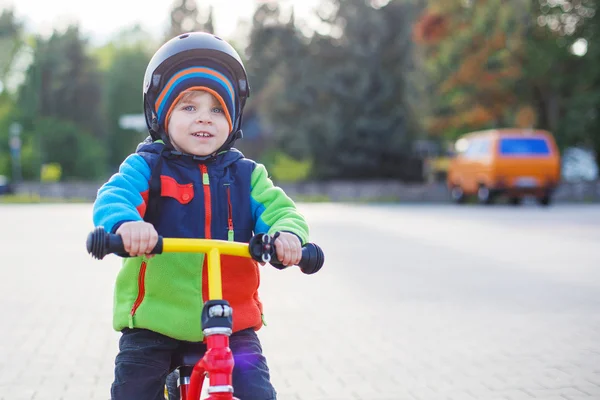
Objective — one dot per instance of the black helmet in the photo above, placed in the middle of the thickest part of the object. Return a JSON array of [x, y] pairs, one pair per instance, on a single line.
[[187, 51]]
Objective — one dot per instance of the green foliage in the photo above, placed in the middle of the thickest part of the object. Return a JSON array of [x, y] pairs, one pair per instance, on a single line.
[[472, 65], [581, 122], [78, 152], [270, 41], [123, 95], [284, 168], [59, 107], [36, 199], [10, 40], [564, 87], [561, 88], [6, 112], [351, 97], [340, 100], [63, 82]]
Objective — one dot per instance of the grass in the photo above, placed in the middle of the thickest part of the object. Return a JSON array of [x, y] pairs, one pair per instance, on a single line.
[[311, 198], [37, 199]]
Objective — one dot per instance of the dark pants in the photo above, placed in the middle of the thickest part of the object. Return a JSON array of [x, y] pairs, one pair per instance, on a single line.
[[144, 361]]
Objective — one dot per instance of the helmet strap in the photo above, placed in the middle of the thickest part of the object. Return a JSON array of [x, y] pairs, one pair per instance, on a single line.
[[233, 136], [157, 132], [231, 140]]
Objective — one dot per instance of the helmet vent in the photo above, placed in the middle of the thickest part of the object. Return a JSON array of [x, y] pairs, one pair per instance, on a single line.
[[156, 79], [216, 37], [183, 36]]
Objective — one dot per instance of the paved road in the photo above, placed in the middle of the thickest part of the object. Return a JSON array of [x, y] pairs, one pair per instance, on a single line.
[[415, 302]]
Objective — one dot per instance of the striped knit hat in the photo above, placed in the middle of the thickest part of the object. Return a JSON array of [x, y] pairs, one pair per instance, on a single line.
[[199, 76]]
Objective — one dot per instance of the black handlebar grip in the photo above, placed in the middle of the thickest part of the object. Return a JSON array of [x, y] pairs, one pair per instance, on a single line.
[[311, 262], [100, 243], [312, 259]]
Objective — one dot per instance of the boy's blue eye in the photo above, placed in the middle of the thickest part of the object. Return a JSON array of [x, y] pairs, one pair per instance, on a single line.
[[217, 109], [189, 108]]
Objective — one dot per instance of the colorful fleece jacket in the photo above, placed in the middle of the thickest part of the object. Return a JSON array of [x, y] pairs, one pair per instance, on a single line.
[[230, 198]]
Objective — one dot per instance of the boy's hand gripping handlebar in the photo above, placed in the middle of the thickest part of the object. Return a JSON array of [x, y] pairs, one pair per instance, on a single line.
[[261, 248]]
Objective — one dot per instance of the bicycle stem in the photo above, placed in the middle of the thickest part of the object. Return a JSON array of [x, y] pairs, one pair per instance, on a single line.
[[218, 363]]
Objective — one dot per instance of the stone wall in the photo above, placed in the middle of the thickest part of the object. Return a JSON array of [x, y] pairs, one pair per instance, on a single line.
[[329, 191]]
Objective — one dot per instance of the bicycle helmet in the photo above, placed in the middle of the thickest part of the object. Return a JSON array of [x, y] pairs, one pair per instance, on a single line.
[[194, 61]]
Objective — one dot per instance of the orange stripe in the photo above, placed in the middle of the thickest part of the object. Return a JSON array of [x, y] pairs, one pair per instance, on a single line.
[[209, 90], [185, 72]]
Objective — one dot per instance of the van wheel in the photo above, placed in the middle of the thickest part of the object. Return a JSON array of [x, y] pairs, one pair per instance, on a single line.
[[457, 194], [544, 200], [515, 201], [484, 195]]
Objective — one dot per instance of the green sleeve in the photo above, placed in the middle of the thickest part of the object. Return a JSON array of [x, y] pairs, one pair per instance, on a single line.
[[272, 209]]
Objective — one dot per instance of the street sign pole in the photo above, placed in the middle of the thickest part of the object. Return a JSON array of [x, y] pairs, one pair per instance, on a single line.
[[14, 142]]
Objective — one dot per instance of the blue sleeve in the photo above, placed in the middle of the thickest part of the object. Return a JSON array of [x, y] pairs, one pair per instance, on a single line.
[[124, 196]]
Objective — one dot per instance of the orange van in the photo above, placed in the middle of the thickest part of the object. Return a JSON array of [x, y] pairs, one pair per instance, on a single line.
[[512, 162]]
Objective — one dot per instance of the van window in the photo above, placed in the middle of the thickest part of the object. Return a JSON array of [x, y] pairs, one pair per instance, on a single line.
[[478, 148], [524, 146]]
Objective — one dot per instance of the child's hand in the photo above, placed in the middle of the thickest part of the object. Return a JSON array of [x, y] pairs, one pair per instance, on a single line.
[[289, 249], [139, 237]]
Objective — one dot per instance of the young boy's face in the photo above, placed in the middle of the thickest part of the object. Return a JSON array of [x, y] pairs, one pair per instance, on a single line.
[[198, 124]]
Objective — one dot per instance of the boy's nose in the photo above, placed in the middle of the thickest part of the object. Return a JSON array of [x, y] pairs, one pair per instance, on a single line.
[[203, 117]]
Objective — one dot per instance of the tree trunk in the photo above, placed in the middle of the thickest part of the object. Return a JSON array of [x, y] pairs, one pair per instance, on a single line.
[[553, 110]]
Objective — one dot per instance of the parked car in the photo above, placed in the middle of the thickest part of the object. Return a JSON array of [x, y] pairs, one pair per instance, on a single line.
[[512, 162], [579, 165], [5, 187]]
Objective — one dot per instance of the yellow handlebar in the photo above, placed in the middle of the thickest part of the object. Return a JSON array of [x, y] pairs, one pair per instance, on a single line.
[[100, 243]]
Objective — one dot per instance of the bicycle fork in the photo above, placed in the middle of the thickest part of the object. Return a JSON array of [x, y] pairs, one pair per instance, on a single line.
[[218, 359]]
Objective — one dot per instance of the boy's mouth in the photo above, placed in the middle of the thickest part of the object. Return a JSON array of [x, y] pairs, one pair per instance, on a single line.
[[201, 134]]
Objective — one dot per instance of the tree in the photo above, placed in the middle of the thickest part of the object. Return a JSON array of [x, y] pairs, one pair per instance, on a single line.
[[62, 95], [267, 46], [566, 96], [209, 25], [10, 40], [124, 63], [6, 118], [272, 41], [11, 43], [340, 100], [186, 17], [63, 82], [472, 54], [79, 153]]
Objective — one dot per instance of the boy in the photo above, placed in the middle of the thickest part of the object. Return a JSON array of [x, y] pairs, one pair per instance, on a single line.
[[189, 182]]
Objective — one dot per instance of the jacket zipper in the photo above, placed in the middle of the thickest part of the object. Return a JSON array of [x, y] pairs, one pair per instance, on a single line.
[[230, 235], [141, 293], [207, 207]]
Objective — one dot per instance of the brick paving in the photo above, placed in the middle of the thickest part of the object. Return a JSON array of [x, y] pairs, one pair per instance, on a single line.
[[415, 302]]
